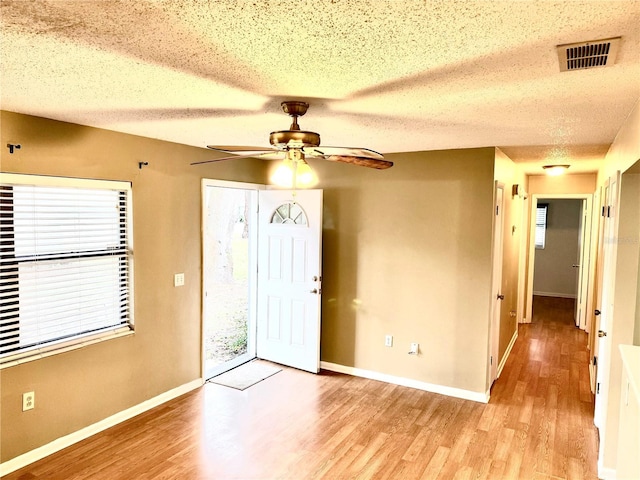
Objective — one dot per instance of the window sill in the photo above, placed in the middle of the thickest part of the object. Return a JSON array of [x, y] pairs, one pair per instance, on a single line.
[[26, 357]]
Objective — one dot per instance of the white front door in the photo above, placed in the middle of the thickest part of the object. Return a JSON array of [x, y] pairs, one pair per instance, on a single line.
[[289, 277]]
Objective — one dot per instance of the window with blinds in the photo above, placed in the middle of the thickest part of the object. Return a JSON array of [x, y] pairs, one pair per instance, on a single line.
[[541, 224], [65, 264]]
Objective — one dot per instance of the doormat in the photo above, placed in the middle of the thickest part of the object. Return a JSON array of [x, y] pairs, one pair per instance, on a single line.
[[245, 375]]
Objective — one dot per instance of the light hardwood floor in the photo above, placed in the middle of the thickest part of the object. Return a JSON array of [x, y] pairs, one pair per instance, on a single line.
[[294, 425]]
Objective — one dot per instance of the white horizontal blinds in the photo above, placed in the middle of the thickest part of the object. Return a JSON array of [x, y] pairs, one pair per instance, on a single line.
[[541, 224], [64, 264]]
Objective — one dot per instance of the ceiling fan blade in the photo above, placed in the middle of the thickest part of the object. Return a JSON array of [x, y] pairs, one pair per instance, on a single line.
[[250, 155], [323, 151], [360, 161], [234, 148]]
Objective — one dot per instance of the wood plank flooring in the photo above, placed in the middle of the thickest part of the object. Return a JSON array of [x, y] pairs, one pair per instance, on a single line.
[[294, 425]]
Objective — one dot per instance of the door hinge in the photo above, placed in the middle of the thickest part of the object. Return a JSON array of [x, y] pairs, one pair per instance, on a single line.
[[597, 388], [602, 214], [497, 210], [609, 211], [491, 360], [595, 361]]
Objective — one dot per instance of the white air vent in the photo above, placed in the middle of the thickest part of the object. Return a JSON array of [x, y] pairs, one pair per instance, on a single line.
[[597, 53]]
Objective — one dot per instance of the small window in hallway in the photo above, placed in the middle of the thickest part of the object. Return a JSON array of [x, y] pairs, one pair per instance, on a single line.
[[541, 224]]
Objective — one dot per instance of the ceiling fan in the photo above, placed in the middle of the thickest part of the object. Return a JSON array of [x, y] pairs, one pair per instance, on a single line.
[[294, 145]]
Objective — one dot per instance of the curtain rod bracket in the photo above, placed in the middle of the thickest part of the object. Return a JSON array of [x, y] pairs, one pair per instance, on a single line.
[[13, 146]]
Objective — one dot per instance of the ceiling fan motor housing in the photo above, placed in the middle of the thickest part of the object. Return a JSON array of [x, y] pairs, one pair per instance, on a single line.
[[294, 139]]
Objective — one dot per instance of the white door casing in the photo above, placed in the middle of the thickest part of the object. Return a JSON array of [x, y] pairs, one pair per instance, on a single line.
[[583, 264], [586, 267], [207, 211], [496, 284], [289, 277]]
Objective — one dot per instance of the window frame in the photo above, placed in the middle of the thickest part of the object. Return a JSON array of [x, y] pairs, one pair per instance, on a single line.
[[541, 228], [82, 339]]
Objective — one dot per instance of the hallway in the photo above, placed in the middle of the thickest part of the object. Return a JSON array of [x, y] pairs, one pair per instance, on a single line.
[[545, 384], [294, 425]]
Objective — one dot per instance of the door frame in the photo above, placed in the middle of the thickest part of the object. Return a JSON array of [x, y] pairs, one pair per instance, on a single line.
[[587, 279], [253, 262], [497, 260]]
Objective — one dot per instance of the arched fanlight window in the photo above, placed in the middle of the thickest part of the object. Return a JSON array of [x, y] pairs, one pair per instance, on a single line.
[[289, 213]]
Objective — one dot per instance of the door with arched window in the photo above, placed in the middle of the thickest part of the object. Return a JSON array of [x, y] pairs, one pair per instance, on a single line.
[[289, 277]]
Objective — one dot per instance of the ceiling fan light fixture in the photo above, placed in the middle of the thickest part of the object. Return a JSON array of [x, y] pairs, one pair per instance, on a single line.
[[283, 174], [305, 176], [555, 170], [294, 172]]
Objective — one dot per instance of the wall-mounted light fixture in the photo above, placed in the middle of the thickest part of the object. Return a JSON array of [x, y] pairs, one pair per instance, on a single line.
[[555, 170]]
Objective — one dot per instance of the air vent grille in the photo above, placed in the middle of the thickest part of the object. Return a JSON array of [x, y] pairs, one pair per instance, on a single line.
[[593, 54]]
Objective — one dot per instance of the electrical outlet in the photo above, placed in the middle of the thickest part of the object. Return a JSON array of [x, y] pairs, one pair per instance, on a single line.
[[28, 401], [178, 280], [388, 341]]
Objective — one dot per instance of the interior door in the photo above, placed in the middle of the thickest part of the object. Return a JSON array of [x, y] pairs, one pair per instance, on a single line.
[[496, 295], [606, 300], [289, 277]]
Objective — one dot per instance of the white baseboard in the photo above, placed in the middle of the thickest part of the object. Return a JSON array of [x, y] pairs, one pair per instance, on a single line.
[[63, 442], [407, 382], [606, 473], [557, 295], [507, 353]]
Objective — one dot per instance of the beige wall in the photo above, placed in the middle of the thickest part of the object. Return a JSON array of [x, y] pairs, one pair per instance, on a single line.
[[81, 387], [407, 252], [625, 150], [563, 184]]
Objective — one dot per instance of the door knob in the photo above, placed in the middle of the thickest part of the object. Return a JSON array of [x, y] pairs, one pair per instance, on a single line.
[[602, 334], [575, 266], [500, 297], [316, 291], [597, 312]]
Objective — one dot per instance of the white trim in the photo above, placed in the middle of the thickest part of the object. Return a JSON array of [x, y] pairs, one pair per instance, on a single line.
[[72, 182], [532, 248], [253, 280], [86, 432], [211, 182], [556, 295], [407, 382], [606, 473], [507, 352]]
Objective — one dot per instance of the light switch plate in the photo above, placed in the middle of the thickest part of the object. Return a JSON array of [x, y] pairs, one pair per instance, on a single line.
[[178, 280]]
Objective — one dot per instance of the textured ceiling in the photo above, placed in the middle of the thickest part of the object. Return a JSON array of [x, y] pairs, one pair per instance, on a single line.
[[393, 76]]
